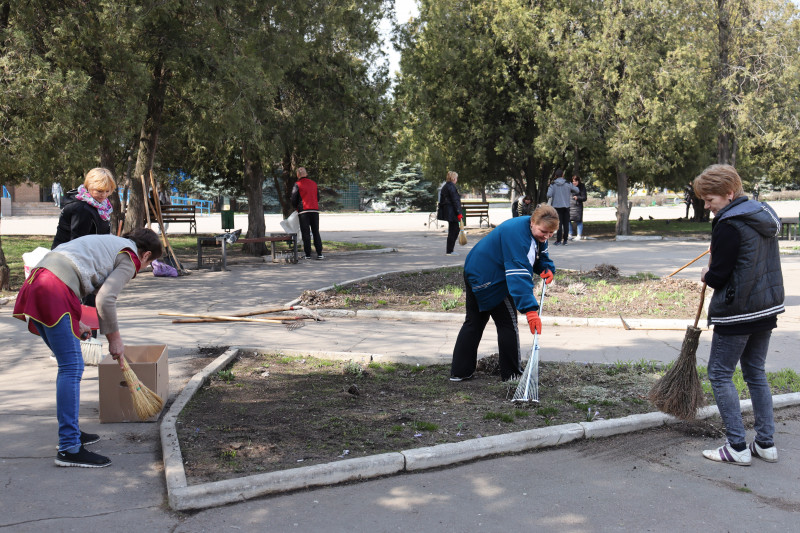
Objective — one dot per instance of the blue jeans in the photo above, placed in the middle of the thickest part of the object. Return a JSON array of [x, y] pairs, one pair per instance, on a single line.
[[578, 226], [750, 351], [67, 350]]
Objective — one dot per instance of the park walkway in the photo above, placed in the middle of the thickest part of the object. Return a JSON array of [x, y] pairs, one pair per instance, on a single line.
[[653, 481]]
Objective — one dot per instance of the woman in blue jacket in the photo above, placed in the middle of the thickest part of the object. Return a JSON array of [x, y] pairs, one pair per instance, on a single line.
[[498, 275]]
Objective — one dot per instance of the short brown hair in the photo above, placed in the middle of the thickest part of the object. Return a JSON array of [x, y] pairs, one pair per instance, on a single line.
[[718, 180], [545, 216], [146, 240]]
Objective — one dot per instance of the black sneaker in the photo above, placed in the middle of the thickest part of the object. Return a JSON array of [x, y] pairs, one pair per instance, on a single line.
[[89, 438], [320, 257], [307, 257], [82, 458]]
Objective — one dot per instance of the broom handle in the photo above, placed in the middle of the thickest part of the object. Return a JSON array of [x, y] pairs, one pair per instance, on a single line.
[[281, 320], [157, 207], [265, 311], [250, 313], [146, 202], [228, 318], [700, 307], [689, 263]]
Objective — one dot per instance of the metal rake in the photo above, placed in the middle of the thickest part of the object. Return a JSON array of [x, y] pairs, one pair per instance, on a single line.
[[528, 388]]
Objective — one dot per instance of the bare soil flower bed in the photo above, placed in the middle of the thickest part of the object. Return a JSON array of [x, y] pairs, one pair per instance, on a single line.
[[600, 292], [270, 412]]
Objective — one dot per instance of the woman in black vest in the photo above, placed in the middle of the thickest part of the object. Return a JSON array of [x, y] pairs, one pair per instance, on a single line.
[[745, 273]]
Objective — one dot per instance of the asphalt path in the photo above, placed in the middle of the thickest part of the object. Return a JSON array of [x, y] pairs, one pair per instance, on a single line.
[[654, 480]]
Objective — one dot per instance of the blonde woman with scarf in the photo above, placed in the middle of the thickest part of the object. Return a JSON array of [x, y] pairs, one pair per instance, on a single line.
[[87, 209]]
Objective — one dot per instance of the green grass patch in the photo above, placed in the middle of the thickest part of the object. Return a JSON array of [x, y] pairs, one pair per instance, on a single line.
[[649, 227], [425, 426], [183, 244], [226, 375], [13, 248], [383, 367], [502, 417]]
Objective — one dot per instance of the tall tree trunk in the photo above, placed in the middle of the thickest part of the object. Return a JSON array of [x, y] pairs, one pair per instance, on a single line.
[[518, 185], [545, 171], [289, 166], [108, 160], [5, 271], [254, 182], [148, 140], [726, 140], [623, 226]]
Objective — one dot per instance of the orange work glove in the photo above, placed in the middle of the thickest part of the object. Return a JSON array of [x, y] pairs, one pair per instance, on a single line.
[[534, 322], [547, 276], [460, 216]]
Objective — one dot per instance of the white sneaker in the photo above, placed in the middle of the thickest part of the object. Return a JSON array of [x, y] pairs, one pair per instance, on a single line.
[[769, 455], [452, 253], [726, 454]]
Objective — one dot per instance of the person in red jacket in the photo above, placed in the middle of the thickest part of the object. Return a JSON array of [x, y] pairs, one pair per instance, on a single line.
[[305, 200]]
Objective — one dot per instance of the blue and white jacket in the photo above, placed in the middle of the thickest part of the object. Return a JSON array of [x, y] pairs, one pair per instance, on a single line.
[[504, 263]]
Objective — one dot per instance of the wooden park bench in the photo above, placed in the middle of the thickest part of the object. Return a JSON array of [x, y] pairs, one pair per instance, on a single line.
[[476, 209], [789, 228], [176, 214], [220, 240]]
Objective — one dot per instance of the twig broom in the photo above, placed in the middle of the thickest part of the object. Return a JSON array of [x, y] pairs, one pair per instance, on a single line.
[[679, 392], [146, 403], [91, 348], [462, 235]]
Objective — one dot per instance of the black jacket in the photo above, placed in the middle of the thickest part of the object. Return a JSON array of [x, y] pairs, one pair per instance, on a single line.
[[753, 289], [78, 219], [576, 206], [449, 204]]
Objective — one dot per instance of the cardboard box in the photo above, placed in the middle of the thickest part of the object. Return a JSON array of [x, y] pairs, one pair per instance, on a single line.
[[149, 363]]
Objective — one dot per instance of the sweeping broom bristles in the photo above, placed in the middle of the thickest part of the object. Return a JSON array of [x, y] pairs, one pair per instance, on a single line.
[[146, 403], [679, 393], [92, 351]]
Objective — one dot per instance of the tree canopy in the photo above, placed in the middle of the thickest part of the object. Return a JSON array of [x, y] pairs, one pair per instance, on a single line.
[[619, 91]]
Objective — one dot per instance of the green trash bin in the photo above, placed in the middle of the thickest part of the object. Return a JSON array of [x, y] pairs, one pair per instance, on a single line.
[[227, 219]]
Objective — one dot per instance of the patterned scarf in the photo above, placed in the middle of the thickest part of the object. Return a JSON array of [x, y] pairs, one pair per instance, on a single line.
[[104, 209]]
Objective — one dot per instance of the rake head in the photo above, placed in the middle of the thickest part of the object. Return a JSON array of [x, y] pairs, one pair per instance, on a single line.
[[292, 325], [528, 388]]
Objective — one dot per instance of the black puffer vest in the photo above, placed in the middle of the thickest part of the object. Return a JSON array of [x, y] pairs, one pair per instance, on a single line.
[[755, 288]]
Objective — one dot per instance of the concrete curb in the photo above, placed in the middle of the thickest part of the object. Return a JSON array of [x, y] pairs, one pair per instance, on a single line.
[[183, 497], [639, 238], [372, 251]]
